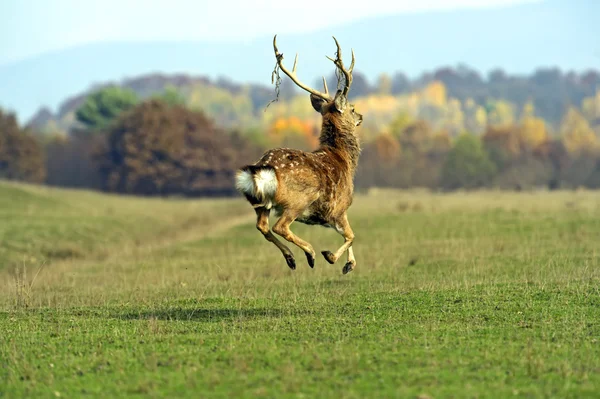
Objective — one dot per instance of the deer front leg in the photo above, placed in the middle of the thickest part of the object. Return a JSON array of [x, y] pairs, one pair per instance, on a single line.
[[282, 227], [262, 224], [349, 266], [342, 226]]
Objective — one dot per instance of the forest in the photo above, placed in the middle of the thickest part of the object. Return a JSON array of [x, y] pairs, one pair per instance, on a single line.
[[448, 129]]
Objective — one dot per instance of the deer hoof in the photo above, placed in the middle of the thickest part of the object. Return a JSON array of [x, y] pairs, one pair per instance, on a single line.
[[291, 262], [348, 267], [311, 259], [329, 256]]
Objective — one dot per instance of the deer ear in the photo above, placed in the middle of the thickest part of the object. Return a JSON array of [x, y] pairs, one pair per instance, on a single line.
[[317, 103], [340, 101]]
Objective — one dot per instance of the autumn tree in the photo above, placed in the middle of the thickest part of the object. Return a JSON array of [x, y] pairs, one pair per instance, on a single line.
[[160, 149], [532, 133], [500, 112], [293, 132], [502, 144], [21, 156], [577, 134], [416, 137], [435, 93], [475, 117], [401, 121]]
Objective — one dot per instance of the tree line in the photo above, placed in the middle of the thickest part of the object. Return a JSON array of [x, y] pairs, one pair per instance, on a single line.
[[188, 140]]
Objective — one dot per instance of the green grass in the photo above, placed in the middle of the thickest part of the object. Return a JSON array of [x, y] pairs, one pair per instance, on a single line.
[[460, 295], [40, 225]]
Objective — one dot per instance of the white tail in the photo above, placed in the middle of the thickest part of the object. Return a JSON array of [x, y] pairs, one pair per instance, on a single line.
[[260, 184]]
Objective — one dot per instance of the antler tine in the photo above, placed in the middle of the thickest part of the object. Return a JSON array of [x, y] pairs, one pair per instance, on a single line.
[[340, 64], [325, 85], [292, 75], [295, 64]]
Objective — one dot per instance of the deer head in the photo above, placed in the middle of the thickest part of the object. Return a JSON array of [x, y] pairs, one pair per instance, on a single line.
[[336, 109]]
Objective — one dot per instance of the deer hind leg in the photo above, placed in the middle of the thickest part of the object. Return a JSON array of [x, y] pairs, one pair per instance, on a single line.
[[342, 226], [262, 224], [282, 227]]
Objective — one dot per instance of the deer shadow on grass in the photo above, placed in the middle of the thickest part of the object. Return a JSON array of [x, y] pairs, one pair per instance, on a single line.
[[207, 314]]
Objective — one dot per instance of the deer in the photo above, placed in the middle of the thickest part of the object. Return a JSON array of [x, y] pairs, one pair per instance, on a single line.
[[313, 188]]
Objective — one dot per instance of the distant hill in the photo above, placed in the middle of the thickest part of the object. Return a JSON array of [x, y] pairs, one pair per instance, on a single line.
[[518, 39]]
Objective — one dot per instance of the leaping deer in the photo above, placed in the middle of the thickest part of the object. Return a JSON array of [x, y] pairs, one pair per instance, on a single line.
[[313, 188]]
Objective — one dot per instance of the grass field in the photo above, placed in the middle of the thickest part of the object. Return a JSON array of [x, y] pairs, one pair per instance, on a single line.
[[457, 295]]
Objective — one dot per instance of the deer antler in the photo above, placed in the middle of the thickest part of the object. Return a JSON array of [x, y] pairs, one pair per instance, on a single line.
[[340, 65], [292, 75]]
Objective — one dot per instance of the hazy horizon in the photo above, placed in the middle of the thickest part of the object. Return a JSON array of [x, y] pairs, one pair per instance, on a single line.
[[55, 50], [134, 20]]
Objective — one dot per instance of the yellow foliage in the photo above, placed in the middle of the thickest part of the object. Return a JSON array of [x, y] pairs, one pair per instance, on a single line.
[[221, 105], [435, 93], [577, 135], [501, 113], [378, 112], [294, 132], [532, 132]]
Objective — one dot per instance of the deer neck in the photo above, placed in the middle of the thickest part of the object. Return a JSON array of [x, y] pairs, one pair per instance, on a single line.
[[340, 139]]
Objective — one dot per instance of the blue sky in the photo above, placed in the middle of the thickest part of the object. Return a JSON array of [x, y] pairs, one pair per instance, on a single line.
[[32, 27]]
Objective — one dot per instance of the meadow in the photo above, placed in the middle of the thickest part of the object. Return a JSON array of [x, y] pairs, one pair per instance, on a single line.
[[481, 294]]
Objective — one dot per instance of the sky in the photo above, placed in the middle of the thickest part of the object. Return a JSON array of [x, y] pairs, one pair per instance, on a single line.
[[33, 27]]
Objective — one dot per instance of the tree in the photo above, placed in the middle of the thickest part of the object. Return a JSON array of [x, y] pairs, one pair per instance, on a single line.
[[467, 165], [171, 96], [160, 149], [400, 122], [387, 148], [502, 145], [294, 133], [70, 163], [21, 156], [532, 133], [416, 137], [435, 94], [475, 118], [500, 112], [577, 134], [102, 107]]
